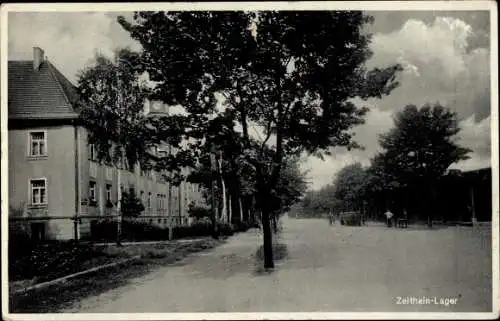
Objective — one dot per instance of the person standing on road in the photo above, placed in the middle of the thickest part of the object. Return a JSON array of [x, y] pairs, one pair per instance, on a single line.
[[389, 216], [330, 217]]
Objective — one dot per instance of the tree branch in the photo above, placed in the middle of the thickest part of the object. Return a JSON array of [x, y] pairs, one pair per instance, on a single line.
[[268, 135]]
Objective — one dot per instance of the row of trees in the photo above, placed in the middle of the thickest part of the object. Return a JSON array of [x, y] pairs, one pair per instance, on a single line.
[[416, 154], [292, 75]]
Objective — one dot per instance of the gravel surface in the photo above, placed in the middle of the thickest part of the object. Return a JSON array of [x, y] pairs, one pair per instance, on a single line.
[[327, 269]]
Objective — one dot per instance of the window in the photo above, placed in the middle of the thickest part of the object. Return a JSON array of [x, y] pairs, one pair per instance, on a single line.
[[108, 192], [38, 192], [38, 144], [158, 201], [92, 191], [109, 173], [131, 190], [149, 200]]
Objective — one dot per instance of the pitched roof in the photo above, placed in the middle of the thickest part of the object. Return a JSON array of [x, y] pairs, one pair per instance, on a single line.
[[39, 94]]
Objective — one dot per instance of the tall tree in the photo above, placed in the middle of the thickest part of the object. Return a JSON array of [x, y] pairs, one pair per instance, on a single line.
[[350, 184], [419, 150], [112, 98], [292, 74]]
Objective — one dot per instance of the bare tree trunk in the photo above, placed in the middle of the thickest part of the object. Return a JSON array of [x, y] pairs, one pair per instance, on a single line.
[[268, 239]]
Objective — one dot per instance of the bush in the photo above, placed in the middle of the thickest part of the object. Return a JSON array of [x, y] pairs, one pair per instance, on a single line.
[[351, 219], [197, 229], [20, 241], [141, 231], [131, 231], [199, 212], [225, 229], [242, 226], [131, 205]]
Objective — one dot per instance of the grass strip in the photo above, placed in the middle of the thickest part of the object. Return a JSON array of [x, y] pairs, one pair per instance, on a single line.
[[61, 296]]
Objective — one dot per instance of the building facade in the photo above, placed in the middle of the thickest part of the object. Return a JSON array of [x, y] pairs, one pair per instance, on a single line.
[[53, 171]]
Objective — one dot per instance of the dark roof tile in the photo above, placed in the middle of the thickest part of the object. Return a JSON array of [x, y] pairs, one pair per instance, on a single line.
[[43, 93]]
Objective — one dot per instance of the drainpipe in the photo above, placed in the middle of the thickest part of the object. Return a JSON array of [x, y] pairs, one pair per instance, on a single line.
[[179, 194], [77, 182]]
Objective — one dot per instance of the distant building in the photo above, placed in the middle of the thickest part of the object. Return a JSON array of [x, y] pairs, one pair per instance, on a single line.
[[53, 171]]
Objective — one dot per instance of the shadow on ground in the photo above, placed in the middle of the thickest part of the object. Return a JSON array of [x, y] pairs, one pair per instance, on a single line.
[[280, 253]]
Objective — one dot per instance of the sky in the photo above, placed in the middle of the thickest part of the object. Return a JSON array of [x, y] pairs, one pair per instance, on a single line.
[[446, 56]]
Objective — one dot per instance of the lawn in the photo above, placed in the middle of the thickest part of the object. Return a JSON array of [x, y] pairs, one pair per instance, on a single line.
[[55, 298]]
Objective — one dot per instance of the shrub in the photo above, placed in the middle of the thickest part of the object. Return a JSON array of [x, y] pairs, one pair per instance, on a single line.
[[105, 230], [131, 205], [242, 226], [194, 230], [199, 212], [351, 219], [225, 229]]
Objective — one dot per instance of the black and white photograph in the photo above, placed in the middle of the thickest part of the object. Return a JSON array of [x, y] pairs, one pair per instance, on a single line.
[[272, 160]]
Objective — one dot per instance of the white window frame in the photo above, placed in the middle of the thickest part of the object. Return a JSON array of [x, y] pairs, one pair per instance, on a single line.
[[30, 191], [93, 197], [29, 150], [109, 192]]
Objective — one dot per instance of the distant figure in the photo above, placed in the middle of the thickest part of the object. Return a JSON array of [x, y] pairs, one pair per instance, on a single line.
[[403, 221], [331, 218], [389, 216]]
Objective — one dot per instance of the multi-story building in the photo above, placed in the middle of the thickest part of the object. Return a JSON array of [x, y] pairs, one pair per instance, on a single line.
[[53, 171]]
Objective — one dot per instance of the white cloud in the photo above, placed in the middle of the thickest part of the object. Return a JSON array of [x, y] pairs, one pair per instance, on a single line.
[[477, 137], [69, 40], [439, 66]]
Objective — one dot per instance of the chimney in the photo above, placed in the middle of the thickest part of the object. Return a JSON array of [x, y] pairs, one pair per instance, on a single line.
[[37, 57]]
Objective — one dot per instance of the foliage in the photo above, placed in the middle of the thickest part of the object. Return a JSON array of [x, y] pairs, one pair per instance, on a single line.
[[199, 212], [350, 187], [350, 219], [292, 74], [112, 99], [417, 151], [420, 146], [132, 230], [242, 226], [197, 229], [320, 201], [131, 205], [290, 188], [49, 261]]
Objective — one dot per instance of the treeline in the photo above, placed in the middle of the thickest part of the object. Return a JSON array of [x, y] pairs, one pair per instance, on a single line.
[[410, 175]]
